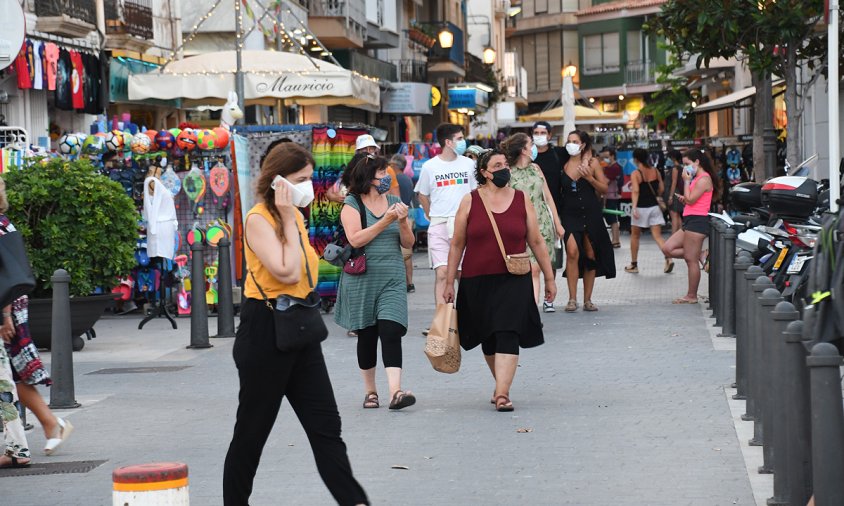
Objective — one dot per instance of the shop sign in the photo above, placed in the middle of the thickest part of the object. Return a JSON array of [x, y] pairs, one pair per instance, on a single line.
[[462, 98], [686, 143], [407, 98]]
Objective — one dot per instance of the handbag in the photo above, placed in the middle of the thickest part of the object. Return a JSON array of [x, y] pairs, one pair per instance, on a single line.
[[356, 264], [442, 347], [518, 263], [659, 200], [16, 279], [298, 323]]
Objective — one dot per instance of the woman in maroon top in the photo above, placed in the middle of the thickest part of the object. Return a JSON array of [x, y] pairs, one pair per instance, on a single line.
[[497, 309]]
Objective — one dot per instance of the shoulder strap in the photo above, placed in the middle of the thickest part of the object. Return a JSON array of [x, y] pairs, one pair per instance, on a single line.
[[307, 271], [494, 226], [362, 212]]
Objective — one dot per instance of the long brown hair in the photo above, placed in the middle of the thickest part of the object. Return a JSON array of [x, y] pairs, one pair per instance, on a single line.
[[282, 160], [702, 157], [512, 147]]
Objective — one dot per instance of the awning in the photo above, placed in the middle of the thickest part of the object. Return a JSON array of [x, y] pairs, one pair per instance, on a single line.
[[268, 76], [733, 99], [582, 116]]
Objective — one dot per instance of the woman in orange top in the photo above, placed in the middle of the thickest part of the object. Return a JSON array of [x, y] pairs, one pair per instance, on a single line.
[[278, 264]]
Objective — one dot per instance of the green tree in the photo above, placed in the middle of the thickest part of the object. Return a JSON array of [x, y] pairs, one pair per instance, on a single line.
[[672, 103]]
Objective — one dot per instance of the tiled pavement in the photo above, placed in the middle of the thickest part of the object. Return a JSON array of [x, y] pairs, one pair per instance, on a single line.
[[625, 406]]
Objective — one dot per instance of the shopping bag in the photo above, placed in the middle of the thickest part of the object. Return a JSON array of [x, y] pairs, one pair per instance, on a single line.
[[16, 279], [443, 344]]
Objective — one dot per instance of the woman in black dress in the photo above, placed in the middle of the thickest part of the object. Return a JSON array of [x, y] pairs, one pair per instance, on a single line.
[[589, 251]]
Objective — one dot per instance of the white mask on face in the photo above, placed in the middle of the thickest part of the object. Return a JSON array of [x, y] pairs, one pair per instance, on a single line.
[[301, 194], [572, 148], [540, 140]]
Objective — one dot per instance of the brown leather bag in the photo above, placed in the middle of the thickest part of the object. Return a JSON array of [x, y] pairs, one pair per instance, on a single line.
[[517, 263]]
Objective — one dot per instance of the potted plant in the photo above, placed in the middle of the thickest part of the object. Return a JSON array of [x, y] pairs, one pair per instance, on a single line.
[[72, 218]]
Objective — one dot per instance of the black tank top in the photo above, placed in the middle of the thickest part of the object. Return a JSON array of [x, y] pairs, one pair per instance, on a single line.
[[647, 198]]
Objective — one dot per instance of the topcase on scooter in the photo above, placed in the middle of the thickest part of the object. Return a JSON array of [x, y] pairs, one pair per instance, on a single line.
[[791, 196], [746, 196]]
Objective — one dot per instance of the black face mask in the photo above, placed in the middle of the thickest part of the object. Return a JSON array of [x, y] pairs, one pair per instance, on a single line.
[[501, 178]]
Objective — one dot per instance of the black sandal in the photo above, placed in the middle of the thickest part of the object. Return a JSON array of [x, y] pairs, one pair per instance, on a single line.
[[15, 463], [371, 401], [402, 399]]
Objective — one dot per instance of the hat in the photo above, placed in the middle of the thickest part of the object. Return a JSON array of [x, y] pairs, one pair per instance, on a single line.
[[543, 124], [475, 150], [364, 141]]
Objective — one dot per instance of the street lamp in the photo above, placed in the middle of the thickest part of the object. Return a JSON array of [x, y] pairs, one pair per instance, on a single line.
[[569, 70], [489, 55], [446, 38], [488, 51]]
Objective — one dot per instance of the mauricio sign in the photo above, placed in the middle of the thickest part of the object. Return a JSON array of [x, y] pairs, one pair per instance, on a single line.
[[287, 86]]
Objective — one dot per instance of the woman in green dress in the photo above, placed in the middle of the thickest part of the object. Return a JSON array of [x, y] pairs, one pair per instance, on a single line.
[[375, 302], [527, 177]]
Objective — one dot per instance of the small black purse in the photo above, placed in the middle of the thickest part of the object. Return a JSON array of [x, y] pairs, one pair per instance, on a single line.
[[16, 279], [298, 323]]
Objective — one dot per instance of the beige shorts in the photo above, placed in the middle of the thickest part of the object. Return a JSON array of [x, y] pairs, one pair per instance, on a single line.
[[648, 217]]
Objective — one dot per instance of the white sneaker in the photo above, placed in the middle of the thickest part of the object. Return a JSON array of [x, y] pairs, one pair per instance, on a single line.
[[548, 307]]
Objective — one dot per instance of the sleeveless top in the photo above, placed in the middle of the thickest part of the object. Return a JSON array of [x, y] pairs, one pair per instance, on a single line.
[[272, 286], [483, 256], [702, 205], [647, 198]]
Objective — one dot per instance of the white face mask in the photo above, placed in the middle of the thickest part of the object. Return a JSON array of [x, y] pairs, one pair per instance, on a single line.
[[540, 140], [573, 148], [301, 194]]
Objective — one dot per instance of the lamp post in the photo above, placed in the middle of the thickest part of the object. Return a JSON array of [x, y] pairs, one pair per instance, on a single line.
[[567, 98], [489, 52], [445, 37]]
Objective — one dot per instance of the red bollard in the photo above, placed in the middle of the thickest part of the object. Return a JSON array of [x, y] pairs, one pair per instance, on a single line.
[[154, 484]]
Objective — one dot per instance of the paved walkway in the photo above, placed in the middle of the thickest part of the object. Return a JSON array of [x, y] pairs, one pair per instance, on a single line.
[[625, 406]]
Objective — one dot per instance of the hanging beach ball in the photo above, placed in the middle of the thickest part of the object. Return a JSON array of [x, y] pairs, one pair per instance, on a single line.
[[186, 140], [127, 139], [206, 139], [222, 137], [175, 132], [165, 140], [151, 134], [69, 144], [94, 145], [114, 140], [141, 144]]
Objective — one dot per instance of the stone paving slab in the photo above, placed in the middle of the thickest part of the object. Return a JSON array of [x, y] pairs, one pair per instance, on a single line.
[[623, 406]]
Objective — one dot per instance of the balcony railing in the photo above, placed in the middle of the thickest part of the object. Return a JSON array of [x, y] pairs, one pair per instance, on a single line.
[[352, 12], [82, 10], [456, 53], [640, 72], [129, 17], [415, 71], [366, 65]]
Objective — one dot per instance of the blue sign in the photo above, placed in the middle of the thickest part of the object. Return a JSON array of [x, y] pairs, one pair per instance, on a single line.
[[462, 98]]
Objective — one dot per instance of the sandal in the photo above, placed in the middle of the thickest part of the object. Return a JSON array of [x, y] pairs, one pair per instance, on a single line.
[[684, 300], [503, 404], [669, 266], [64, 430], [371, 401], [616, 245], [704, 260], [15, 462], [588, 306], [402, 399], [571, 307]]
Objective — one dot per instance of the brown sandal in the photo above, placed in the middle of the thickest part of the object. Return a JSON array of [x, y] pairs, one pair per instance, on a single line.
[[371, 401], [402, 399], [502, 404], [588, 306], [571, 307]]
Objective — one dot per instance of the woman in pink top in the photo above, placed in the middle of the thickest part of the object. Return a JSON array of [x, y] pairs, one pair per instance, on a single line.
[[687, 243]]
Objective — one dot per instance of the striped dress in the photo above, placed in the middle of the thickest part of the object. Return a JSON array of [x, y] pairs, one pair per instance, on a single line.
[[380, 293]]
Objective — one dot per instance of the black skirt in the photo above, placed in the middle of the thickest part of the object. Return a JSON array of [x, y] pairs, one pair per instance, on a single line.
[[497, 303]]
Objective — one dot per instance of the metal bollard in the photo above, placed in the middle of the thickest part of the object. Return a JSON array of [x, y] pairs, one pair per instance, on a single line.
[[798, 415], [225, 304], [62, 395], [780, 316], [769, 298], [711, 279], [198, 310], [827, 422], [715, 265], [721, 261], [743, 262], [728, 285], [753, 272], [757, 387]]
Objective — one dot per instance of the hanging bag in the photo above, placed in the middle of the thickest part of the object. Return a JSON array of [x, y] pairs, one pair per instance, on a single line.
[[442, 346], [298, 323], [518, 263], [356, 264], [16, 279]]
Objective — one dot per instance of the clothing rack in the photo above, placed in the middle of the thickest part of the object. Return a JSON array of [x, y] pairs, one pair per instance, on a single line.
[[160, 311], [77, 44]]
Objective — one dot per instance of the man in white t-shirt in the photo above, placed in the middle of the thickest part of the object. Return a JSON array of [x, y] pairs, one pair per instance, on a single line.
[[443, 182]]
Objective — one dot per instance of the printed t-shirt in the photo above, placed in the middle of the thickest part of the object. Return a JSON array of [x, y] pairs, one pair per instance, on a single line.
[[38, 65], [92, 83], [613, 173], [76, 80], [22, 69], [445, 184], [51, 61], [63, 73]]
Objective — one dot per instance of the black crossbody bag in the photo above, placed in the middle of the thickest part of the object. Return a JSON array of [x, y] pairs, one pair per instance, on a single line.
[[298, 323]]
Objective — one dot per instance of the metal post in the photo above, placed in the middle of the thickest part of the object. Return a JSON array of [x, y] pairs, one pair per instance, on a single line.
[[769, 298], [779, 317], [798, 415], [743, 262], [62, 395], [728, 290], [721, 262], [750, 276], [199, 309], [225, 305], [714, 269], [711, 279], [827, 422], [833, 76], [758, 385]]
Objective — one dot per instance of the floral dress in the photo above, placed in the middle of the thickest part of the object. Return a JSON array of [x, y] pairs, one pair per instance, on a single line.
[[14, 438], [530, 181]]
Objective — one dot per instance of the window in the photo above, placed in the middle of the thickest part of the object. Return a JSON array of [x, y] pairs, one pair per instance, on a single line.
[[634, 47], [601, 53], [541, 7]]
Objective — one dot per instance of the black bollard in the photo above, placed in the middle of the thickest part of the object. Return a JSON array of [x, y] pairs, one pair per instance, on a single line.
[[768, 299], [721, 261], [711, 279], [798, 415], [750, 276], [199, 309], [728, 285], [62, 395], [757, 385], [780, 316], [225, 304], [716, 262], [827, 423], [743, 262]]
